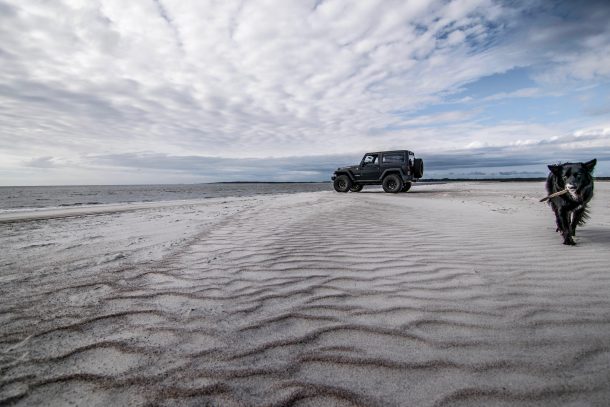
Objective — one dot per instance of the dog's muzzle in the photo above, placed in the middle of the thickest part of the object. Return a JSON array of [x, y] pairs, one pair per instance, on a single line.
[[573, 191]]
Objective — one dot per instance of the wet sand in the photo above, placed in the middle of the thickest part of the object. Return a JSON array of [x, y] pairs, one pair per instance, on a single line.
[[451, 294]]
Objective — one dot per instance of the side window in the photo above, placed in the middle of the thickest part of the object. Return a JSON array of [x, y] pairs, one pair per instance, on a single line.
[[370, 159], [393, 158]]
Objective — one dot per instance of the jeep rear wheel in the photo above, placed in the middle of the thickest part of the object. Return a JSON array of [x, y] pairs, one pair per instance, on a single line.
[[342, 183], [392, 183], [356, 188], [406, 187]]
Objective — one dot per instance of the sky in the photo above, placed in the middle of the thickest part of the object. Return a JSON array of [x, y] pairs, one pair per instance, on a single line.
[[188, 91]]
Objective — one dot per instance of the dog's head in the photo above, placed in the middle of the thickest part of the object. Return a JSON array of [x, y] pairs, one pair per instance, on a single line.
[[576, 177]]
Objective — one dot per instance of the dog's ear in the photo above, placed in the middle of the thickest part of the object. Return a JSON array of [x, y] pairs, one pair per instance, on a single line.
[[589, 165], [555, 169]]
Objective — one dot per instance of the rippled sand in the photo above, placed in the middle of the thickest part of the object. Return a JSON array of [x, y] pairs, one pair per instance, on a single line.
[[453, 294]]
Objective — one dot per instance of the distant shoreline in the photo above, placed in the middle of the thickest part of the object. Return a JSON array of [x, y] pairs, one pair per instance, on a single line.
[[497, 179], [539, 179]]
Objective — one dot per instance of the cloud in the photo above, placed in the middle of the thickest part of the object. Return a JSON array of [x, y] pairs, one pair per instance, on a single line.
[[41, 162], [519, 93], [280, 79], [576, 46], [435, 119], [508, 160], [210, 169]]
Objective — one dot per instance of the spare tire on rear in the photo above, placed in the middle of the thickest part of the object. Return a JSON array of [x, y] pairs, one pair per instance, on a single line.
[[418, 168]]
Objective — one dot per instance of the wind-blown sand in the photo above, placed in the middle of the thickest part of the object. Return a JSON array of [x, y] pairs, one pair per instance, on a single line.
[[452, 294]]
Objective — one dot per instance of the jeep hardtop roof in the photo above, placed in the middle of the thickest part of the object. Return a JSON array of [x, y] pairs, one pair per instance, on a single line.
[[390, 151]]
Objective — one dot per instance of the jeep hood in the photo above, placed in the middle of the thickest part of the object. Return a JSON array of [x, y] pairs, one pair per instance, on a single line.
[[351, 167]]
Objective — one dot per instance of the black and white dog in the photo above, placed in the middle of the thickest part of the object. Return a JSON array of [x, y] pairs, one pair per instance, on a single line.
[[570, 208]]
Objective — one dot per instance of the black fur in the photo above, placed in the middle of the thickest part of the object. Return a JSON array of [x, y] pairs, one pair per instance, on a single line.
[[570, 209]]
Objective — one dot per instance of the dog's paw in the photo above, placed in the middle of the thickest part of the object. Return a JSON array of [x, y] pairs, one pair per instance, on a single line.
[[569, 241]]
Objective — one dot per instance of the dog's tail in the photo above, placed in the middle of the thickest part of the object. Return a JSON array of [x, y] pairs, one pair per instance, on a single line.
[[584, 218]]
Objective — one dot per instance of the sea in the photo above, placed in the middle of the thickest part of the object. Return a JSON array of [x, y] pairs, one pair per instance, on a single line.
[[24, 198]]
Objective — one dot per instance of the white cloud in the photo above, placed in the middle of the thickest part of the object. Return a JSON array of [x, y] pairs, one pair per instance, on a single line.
[[257, 78], [519, 93], [436, 119], [476, 159]]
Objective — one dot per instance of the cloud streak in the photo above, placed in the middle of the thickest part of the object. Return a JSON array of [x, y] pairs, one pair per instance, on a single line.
[[520, 160]]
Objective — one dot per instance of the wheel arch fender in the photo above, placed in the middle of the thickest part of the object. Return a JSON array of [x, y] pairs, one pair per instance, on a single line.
[[348, 173], [389, 171]]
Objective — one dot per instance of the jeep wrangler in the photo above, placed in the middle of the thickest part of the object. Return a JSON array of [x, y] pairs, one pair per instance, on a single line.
[[394, 170]]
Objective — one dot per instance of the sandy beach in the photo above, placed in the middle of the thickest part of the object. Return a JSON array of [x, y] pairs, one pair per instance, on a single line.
[[451, 294]]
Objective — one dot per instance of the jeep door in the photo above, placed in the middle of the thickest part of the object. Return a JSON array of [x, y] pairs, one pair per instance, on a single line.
[[369, 167]]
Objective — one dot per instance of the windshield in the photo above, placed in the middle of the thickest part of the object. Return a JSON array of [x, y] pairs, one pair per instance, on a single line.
[[369, 159]]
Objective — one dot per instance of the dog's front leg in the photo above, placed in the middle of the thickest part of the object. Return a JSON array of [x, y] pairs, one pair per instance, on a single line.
[[577, 216], [557, 218], [564, 225]]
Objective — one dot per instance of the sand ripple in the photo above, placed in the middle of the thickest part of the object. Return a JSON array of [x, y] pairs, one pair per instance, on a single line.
[[436, 299]]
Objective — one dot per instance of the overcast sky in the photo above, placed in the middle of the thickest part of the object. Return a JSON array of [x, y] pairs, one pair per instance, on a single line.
[[156, 91]]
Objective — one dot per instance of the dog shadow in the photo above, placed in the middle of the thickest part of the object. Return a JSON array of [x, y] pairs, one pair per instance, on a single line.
[[596, 235]]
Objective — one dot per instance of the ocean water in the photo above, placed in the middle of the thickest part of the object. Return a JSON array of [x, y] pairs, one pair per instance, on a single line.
[[22, 198]]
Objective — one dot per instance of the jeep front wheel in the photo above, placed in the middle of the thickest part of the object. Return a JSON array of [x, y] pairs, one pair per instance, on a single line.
[[406, 187], [356, 188], [392, 183], [342, 183]]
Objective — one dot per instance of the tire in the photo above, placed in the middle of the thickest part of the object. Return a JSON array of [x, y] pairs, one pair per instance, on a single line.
[[418, 168], [406, 187], [356, 188], [342, 183], [392, 184]]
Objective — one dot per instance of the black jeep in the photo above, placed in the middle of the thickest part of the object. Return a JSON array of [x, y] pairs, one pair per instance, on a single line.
[[395, 170]]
